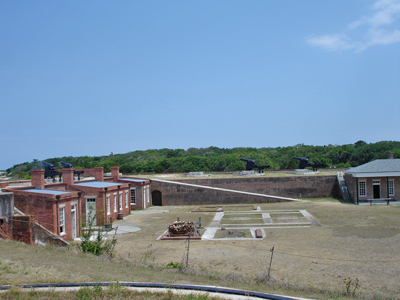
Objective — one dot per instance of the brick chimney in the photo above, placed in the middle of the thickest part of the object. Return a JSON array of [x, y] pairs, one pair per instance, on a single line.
[[98, 173], [68, 176], [37, 178], [390, 155], [115, 173]]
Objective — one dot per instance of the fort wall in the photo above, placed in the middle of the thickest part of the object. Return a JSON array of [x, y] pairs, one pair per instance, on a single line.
[[285, 186]]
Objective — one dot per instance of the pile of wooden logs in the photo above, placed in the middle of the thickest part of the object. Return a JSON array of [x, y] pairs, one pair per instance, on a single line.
[[180, 228]]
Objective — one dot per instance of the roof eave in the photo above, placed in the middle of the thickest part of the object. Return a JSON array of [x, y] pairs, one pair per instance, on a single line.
[[374, 174]]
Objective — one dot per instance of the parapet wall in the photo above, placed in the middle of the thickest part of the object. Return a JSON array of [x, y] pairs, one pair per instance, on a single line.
[[285, 186]]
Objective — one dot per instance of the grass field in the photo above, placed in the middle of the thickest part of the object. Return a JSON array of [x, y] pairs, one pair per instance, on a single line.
[[354, 241]]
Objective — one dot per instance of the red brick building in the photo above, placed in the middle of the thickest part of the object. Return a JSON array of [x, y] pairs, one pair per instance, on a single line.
[[57, 210], [63, 207], [377, 180]]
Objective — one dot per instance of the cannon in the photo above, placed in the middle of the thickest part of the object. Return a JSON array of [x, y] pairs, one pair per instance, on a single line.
[[304, 162], [251, 164], [50, 171], [66, 165], [69, 166]]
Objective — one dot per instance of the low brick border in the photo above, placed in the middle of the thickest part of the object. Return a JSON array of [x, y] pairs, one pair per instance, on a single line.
[[165, 237]]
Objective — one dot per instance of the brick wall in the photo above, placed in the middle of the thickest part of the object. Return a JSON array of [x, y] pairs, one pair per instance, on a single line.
[[101, 206], [139, 186], [290, 186], [22, 229], [44, 208], [351, 183]]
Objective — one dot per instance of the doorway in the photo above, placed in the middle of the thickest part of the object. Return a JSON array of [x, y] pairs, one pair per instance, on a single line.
[[157, 198], [91, 212], [376, 185]]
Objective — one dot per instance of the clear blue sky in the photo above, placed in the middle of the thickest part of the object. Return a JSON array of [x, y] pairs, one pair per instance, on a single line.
[[95, 77]]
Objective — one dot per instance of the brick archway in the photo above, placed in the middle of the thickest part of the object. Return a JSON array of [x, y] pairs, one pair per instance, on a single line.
[[156, 198]]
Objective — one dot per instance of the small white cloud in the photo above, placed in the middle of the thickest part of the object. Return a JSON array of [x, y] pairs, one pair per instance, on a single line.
[[386, 12], [332, 42]]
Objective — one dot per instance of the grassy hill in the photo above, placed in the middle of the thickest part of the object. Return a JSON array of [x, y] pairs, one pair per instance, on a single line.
[[214, 159]]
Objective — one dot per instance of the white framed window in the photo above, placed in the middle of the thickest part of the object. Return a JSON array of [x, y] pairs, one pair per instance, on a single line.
[[108, 205], [120, 200], [115, 202], [133, 196], [362, 188], [62, 220], [126, 199], [148, 194], [391, 187]]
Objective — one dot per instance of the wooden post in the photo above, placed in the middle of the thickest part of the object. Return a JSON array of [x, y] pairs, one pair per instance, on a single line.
[[187, 254]]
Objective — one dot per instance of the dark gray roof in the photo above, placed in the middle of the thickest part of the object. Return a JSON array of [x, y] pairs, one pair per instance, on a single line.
[[377, 166]]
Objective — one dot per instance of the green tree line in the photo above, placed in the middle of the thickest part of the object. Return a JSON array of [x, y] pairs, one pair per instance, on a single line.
[[214, 159]]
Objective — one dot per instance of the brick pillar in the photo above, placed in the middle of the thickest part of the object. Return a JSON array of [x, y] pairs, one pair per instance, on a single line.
[[37, 178], [115, 173], [99, 173], [68, 176]]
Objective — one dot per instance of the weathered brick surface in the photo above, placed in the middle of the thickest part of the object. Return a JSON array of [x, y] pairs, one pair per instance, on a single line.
[[292, 187], [37, 178], [22, 229], [68, 176]]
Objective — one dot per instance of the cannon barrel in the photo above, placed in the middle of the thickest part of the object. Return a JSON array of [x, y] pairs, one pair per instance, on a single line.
[[50, 166], [66, 165], [303, 162], [247, 160], [300, 158]]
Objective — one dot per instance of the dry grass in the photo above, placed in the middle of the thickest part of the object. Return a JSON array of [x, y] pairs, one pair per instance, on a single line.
[[357, 241], [229, 208], [115, 292], [233, 233], [354, 241]]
